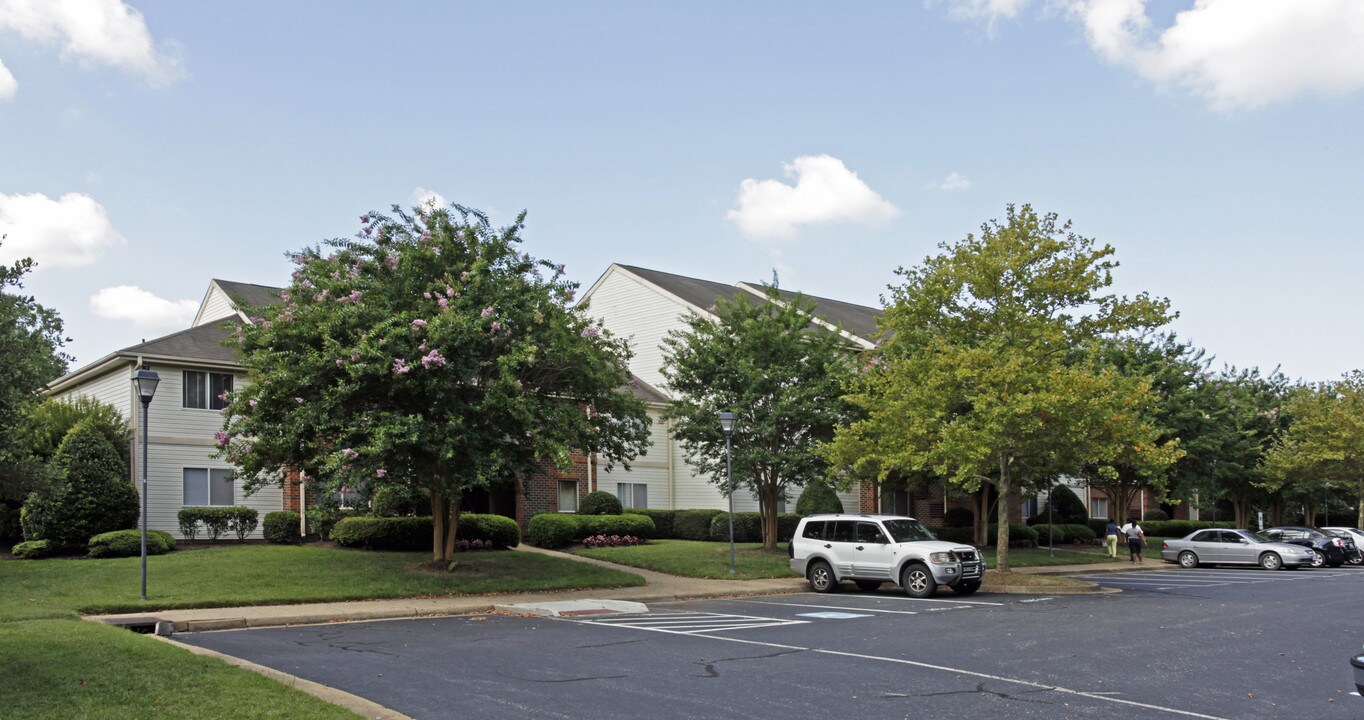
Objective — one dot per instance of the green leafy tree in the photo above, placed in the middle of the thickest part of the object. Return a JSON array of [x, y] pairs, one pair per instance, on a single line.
[[30, 343], [1066, 508], [92, 495], [783, 378], [1245, 413], [987, 373], [1324, 445], [429, 351]]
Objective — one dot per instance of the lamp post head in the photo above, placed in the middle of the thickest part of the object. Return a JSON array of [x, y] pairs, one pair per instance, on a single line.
[[727, 420], [145, 381]]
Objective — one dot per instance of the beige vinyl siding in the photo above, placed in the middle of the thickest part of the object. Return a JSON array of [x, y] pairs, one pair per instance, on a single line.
[[640, 313], [165, 483], [216, 306], [170, 417], [113, 387], [651, 468]]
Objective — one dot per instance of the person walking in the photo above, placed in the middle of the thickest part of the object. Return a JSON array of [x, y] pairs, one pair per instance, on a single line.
[[1135, 539], [1111, 538]]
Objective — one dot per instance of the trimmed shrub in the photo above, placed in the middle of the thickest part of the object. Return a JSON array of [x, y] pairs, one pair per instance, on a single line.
[[372, 533], [322, 519], [1069, 508], [1172, 528], [786, 526], [93, 493], [1017, 533], [959, 517], [1098, 525], [1076, 533], [553, 530], [128, 543], [748, 527], [1058, 534], [599, 502], [496, 530], [818, 499], [399, 501], [32, 550], [663, 520], [1156, 514], [189, 519], [10, 529], [693, 524], [217, 521], [628, 524], [281, 527], [242, 520]]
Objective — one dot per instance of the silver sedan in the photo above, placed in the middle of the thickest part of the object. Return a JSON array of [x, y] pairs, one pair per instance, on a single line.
[[1233, 547]]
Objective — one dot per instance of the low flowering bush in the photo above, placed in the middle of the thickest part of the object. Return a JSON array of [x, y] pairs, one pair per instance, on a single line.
[[473, 545], [597, 541]]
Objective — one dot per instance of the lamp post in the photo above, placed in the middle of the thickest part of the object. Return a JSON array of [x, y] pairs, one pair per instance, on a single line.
[[727, 426], [1051, 494], [145, 381]]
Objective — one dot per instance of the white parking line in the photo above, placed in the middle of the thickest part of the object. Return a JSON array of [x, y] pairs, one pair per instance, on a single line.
[[959, 671], [902, 598], [691, 623], [829, 607]]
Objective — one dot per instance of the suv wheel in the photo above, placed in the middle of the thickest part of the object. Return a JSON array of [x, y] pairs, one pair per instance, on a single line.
[[918, 582], [821, 577]]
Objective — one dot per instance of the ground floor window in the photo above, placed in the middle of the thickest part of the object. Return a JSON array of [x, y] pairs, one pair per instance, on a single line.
[[568, 496], [1028, 508], [208, 486], [1098, 507], [633, 495]]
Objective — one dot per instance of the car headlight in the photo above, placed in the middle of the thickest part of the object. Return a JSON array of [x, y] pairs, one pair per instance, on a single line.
[[941, 558]]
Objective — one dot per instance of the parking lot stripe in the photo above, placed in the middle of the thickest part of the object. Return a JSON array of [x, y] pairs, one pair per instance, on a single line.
[[691, 623], [901, 598], [830, 607]]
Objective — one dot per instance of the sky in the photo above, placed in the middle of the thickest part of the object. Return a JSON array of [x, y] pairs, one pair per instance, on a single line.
[[147, 147]]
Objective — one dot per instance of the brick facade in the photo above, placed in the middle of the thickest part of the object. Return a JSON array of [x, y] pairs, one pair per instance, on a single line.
[[539, 492]]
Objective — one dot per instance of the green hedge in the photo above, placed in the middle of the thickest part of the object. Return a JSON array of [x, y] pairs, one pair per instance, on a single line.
[[1098, 525], [1017, 533], [383, 533], [641, 526], [818, 498], [128, 543], [321, 519], [600, 502], [1156, 515], [553, 530], [217, 521], [663, 520], [693, 524], [748, 526], [32, 550], [281, 527], [415, 533]]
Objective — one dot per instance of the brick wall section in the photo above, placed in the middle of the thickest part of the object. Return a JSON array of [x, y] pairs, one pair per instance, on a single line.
[[866, 498], [291, 486], [539, 492]]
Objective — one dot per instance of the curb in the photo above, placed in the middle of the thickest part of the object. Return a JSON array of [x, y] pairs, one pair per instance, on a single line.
[[326, 693]]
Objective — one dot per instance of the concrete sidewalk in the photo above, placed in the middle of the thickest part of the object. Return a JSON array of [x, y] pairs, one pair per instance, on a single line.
[[658, 587]]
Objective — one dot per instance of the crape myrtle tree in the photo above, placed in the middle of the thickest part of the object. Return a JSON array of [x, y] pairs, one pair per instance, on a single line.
[[31, 344], [1324, 445], [782, 376], [429, 352], [986, 370]]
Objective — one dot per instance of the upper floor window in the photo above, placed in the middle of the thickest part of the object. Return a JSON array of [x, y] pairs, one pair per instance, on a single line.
[[207, 390]]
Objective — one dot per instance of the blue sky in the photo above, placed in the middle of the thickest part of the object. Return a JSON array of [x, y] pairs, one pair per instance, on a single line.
[[150, 146]]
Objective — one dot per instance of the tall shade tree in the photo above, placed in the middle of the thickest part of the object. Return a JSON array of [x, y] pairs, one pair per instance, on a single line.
[[1245, 409], [429, 352], [1324, 445], [1173, 369], [31, 344], [780, 374], [986, 372]]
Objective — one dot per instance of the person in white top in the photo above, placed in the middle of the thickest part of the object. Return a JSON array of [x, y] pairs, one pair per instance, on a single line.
[[1135, 539]]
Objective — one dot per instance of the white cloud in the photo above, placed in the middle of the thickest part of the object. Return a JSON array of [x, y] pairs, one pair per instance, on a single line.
[[1236, 53], [9, 87], [954, 181], [825, 190], [142, 308], [990, 10], [421, 197], [93, 32], [70, 231]]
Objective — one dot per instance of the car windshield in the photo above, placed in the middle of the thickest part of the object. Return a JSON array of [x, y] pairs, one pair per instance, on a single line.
[[906, 530], [1262, 537]]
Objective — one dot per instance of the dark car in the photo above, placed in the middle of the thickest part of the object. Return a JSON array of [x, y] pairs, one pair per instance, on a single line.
[[1329, 550], [1353, 554]]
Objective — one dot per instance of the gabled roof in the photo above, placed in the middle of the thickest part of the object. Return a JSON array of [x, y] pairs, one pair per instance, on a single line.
[[203, 342], [701, 294], [254, 295], [646, 392], [858, 320]]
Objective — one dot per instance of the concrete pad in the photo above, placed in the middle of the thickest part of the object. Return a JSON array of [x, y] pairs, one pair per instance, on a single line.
[[573, 608]]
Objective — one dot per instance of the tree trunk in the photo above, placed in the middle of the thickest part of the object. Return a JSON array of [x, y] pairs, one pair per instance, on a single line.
[[1359, 503], [439, 512], [451, 529], [1002, 537], [981, 533], [1242, 508], [1276, 513]]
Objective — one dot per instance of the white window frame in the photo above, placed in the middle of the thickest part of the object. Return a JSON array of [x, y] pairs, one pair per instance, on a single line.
[[564, 485], [1095, 503], [632, 489], [211, 401], [209, 475]]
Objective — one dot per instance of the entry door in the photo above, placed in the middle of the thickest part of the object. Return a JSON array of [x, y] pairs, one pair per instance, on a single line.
[[873, 555]]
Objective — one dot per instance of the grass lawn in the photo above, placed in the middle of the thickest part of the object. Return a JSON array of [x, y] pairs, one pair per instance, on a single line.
[[1038, 557], [693, 558], [68, 669], [274, 574]]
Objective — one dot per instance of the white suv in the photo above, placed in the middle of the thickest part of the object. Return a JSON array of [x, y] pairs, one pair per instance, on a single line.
[[871, 549]]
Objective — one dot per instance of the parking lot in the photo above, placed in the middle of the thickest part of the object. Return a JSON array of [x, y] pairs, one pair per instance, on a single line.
[[1233, 645]]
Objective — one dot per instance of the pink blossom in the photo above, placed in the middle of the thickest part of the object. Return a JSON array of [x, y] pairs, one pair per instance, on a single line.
[[400, 367], [364, 219], [368, 230], [296, 274], [432, 359], [284, 296], [449, 290], [355, 356], [464, 275], [496, 326], [558, 270], [443, 303], [252, 403], [221, 438], [634, 383], [435, 251], [355, 296], [426, 237], [381, 473], [350, 454], [568, 294], [340, 362], [487, 312], [418, 323], [391, 261], [298, 400], [307, 284], [426, 295], [422, 346], [590, 332]]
